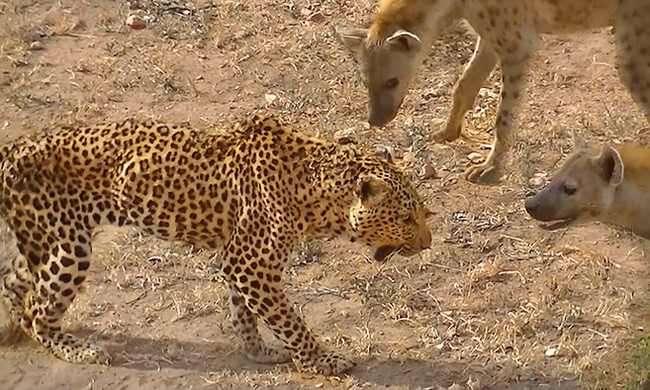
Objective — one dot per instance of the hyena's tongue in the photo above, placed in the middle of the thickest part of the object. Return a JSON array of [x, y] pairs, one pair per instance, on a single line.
[[555, 225], [383, 252]]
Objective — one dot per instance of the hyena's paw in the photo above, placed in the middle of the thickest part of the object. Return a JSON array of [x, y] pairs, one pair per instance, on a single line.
[[485, 173], [448, 133]]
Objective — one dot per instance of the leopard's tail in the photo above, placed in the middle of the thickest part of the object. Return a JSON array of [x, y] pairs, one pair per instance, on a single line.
[[19, 158], [8, 249], [7, 239], [5, 152]]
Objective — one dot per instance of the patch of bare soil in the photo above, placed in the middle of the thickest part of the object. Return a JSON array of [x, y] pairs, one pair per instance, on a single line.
[[496, 304]]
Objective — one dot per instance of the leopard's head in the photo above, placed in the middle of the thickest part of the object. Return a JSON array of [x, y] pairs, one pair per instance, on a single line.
[[388, 214]]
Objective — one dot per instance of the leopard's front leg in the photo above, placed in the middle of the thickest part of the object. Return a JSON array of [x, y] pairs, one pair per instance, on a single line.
[[245, 323], [253, 269]]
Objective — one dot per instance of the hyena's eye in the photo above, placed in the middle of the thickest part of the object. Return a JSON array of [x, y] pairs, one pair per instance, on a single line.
[[569, 188], [392, 83]]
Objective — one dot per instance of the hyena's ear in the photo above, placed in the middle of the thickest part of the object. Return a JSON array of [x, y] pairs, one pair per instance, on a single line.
[[371, 189], [579, 143], [405, 41], [611, 165], [352, 38]]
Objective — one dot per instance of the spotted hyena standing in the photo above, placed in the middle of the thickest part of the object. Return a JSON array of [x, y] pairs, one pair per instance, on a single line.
[[403, 30]]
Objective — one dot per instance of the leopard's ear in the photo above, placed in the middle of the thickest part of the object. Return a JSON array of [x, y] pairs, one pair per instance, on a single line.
[[579, 143], [371, 189], [385, 153]]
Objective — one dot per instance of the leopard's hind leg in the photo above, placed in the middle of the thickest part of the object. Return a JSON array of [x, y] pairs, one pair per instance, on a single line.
[[15, 282], [58, 259]]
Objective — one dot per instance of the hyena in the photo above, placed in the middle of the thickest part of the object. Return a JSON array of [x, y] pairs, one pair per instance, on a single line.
[[403, 30], [607, 184]]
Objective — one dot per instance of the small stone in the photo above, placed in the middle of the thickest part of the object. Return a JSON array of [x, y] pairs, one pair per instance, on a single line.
[[551, 352], [270, 98], [36, 45], [536, 182], [17, 63], [475, 157], [155, 259], [136, 22], [431, 93], [438, 123], [316, 17], [408, 157], [473, 383], [345, 136], [429, 172]]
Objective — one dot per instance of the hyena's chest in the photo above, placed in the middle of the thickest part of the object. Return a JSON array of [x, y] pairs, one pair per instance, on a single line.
[[512, 19], [554, 16]]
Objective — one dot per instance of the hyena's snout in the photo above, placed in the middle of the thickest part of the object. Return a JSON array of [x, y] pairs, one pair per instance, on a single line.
[[532, 205], [540, 206]]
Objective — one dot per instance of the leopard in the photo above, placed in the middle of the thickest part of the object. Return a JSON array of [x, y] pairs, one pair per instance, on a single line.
[[250, 192], [402, 32]]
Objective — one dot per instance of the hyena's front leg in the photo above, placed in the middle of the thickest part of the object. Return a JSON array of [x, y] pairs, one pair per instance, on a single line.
[[633, 38], [513, 79], [477, 71]]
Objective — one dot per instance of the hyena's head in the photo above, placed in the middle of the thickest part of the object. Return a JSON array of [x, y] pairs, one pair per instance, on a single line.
[[389, 61], [581, 191]]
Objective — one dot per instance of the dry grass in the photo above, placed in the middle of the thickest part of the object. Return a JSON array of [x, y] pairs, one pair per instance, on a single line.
[[497, 303]]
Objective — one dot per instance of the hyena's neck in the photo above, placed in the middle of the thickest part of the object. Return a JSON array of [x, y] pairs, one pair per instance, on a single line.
[[631, 206], [630, 209], [424, 18]]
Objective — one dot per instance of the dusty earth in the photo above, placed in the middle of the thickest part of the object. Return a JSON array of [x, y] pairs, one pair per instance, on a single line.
[[496, 304]]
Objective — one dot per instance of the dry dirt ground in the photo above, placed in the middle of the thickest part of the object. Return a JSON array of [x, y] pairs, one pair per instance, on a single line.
[[497, 303]]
